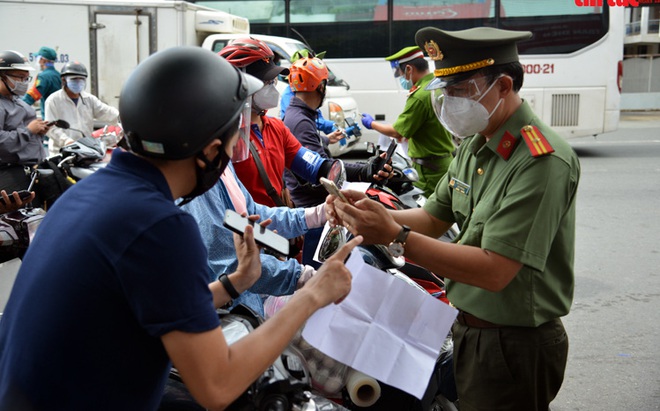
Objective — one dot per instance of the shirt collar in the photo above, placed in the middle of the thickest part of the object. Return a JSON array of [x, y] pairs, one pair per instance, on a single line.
[[142, 169]]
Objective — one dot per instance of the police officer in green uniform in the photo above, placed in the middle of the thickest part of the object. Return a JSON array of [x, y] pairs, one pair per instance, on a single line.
[[430, 146], [48, 80], [511, 189]]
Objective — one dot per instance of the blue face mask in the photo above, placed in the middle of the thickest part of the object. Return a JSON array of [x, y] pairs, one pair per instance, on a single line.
[[406, 84], [75, 85]]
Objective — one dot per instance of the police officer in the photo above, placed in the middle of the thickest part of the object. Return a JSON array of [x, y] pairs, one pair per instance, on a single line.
[[47, 82], [430, 146], [511, 189]]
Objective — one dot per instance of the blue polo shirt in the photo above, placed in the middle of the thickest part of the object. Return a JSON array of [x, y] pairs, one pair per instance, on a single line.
[[114, 266]]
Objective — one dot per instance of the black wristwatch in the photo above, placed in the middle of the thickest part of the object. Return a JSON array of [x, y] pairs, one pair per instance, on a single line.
[[396, 247], [229, 287]]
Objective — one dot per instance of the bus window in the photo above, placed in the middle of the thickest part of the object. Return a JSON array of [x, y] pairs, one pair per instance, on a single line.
[[558, 27], [326, 11], [257, 11], [432, 10]]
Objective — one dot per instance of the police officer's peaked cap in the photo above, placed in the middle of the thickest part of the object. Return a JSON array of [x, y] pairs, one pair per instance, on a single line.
[[406, 54], [462, 51]]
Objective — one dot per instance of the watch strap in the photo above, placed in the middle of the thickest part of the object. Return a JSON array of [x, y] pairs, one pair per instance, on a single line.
[[229, 287], [403, 234]]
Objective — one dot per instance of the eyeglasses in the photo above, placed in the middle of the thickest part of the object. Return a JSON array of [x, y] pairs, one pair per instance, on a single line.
[[20, 79], [273, 82], [464, 89]]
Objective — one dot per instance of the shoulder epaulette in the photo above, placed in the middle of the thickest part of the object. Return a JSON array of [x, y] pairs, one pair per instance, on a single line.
[[412, 90], [537, 143]]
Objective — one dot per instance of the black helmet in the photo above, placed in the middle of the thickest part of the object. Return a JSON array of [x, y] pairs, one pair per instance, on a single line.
[[178, 100], [74, 68], [13, 60]]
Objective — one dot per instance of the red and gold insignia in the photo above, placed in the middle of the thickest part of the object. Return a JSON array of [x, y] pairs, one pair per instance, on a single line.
[[433, 50], [537, 143], [505, 148], [412, 90]]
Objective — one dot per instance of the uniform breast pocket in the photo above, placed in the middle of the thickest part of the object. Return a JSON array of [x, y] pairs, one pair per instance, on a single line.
[[476, 223]]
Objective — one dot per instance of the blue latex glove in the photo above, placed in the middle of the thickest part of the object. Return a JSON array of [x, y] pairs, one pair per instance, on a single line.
[[367, 120], [353, 130]]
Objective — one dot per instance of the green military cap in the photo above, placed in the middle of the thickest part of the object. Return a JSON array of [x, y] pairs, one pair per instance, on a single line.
[[406, 54], [456, 52], [47, 53]]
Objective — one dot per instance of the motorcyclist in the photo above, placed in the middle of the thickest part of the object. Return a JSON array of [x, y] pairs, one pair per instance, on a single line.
[[126, 294], [308, 78], [277, 149], [76, 106], [21, 133]]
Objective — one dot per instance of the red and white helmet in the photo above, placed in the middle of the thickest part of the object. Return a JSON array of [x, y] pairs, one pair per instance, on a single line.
[[242, 52], [307, 74]]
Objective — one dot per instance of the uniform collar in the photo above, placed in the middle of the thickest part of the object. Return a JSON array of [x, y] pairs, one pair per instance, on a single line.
[[505, 140]]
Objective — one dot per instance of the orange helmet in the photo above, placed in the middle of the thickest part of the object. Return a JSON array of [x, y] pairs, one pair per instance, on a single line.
[[307, 74]]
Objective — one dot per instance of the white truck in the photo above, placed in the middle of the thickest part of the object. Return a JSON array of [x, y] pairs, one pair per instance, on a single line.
[[110, 37]]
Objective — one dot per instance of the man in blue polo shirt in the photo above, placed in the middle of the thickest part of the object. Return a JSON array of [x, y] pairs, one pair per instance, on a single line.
[[99, 313]]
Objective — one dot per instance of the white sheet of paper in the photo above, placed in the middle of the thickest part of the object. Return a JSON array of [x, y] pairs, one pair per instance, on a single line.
[[384, 328]]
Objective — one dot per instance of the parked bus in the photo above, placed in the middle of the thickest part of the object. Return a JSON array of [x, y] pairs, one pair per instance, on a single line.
[[573, 63]]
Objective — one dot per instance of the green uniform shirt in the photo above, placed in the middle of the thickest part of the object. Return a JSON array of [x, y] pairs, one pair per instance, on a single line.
[[426, 136], [522, 208]]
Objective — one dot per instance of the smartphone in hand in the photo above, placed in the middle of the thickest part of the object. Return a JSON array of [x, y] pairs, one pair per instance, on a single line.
[[23, 194], [262, 236], [380, 162], [332, 188]]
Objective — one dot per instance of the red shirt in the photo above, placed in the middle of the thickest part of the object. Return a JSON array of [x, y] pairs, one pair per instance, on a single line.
[[276, 151]]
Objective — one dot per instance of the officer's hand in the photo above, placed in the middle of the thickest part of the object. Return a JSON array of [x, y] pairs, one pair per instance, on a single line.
[[367, 218], [367, 119]]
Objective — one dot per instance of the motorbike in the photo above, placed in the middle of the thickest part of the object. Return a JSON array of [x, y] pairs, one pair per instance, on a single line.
[[441, 393], [285, 385], [49, 179]]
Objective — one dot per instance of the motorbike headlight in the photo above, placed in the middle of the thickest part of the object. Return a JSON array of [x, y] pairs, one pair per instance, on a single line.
[[336, 113]]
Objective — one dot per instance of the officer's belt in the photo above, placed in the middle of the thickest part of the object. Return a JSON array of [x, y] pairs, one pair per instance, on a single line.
[[470, 320], [430, 161]]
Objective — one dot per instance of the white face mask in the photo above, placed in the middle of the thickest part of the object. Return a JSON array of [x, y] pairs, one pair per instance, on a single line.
[[463, 116], [75, 85], [19, 88], [265, 98]]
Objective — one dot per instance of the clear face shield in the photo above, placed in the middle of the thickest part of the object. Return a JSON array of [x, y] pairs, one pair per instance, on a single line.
[[396, 68], [241, 150]]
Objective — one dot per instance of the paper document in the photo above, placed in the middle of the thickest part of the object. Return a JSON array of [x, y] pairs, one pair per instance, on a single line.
[[384, 328]]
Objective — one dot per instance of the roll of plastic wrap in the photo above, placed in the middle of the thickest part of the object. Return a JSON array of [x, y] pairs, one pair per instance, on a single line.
[[363, 390]]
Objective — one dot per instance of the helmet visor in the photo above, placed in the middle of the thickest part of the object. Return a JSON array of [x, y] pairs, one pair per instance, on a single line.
[[242, 147]]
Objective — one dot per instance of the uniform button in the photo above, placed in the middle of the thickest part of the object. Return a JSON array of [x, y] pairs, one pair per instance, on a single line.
[[480, 171]]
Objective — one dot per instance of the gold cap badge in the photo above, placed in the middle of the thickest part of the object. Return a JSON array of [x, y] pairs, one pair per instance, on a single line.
[[433, 50]]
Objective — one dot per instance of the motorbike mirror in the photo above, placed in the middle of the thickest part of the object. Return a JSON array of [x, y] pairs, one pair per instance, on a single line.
[[61, 124]]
